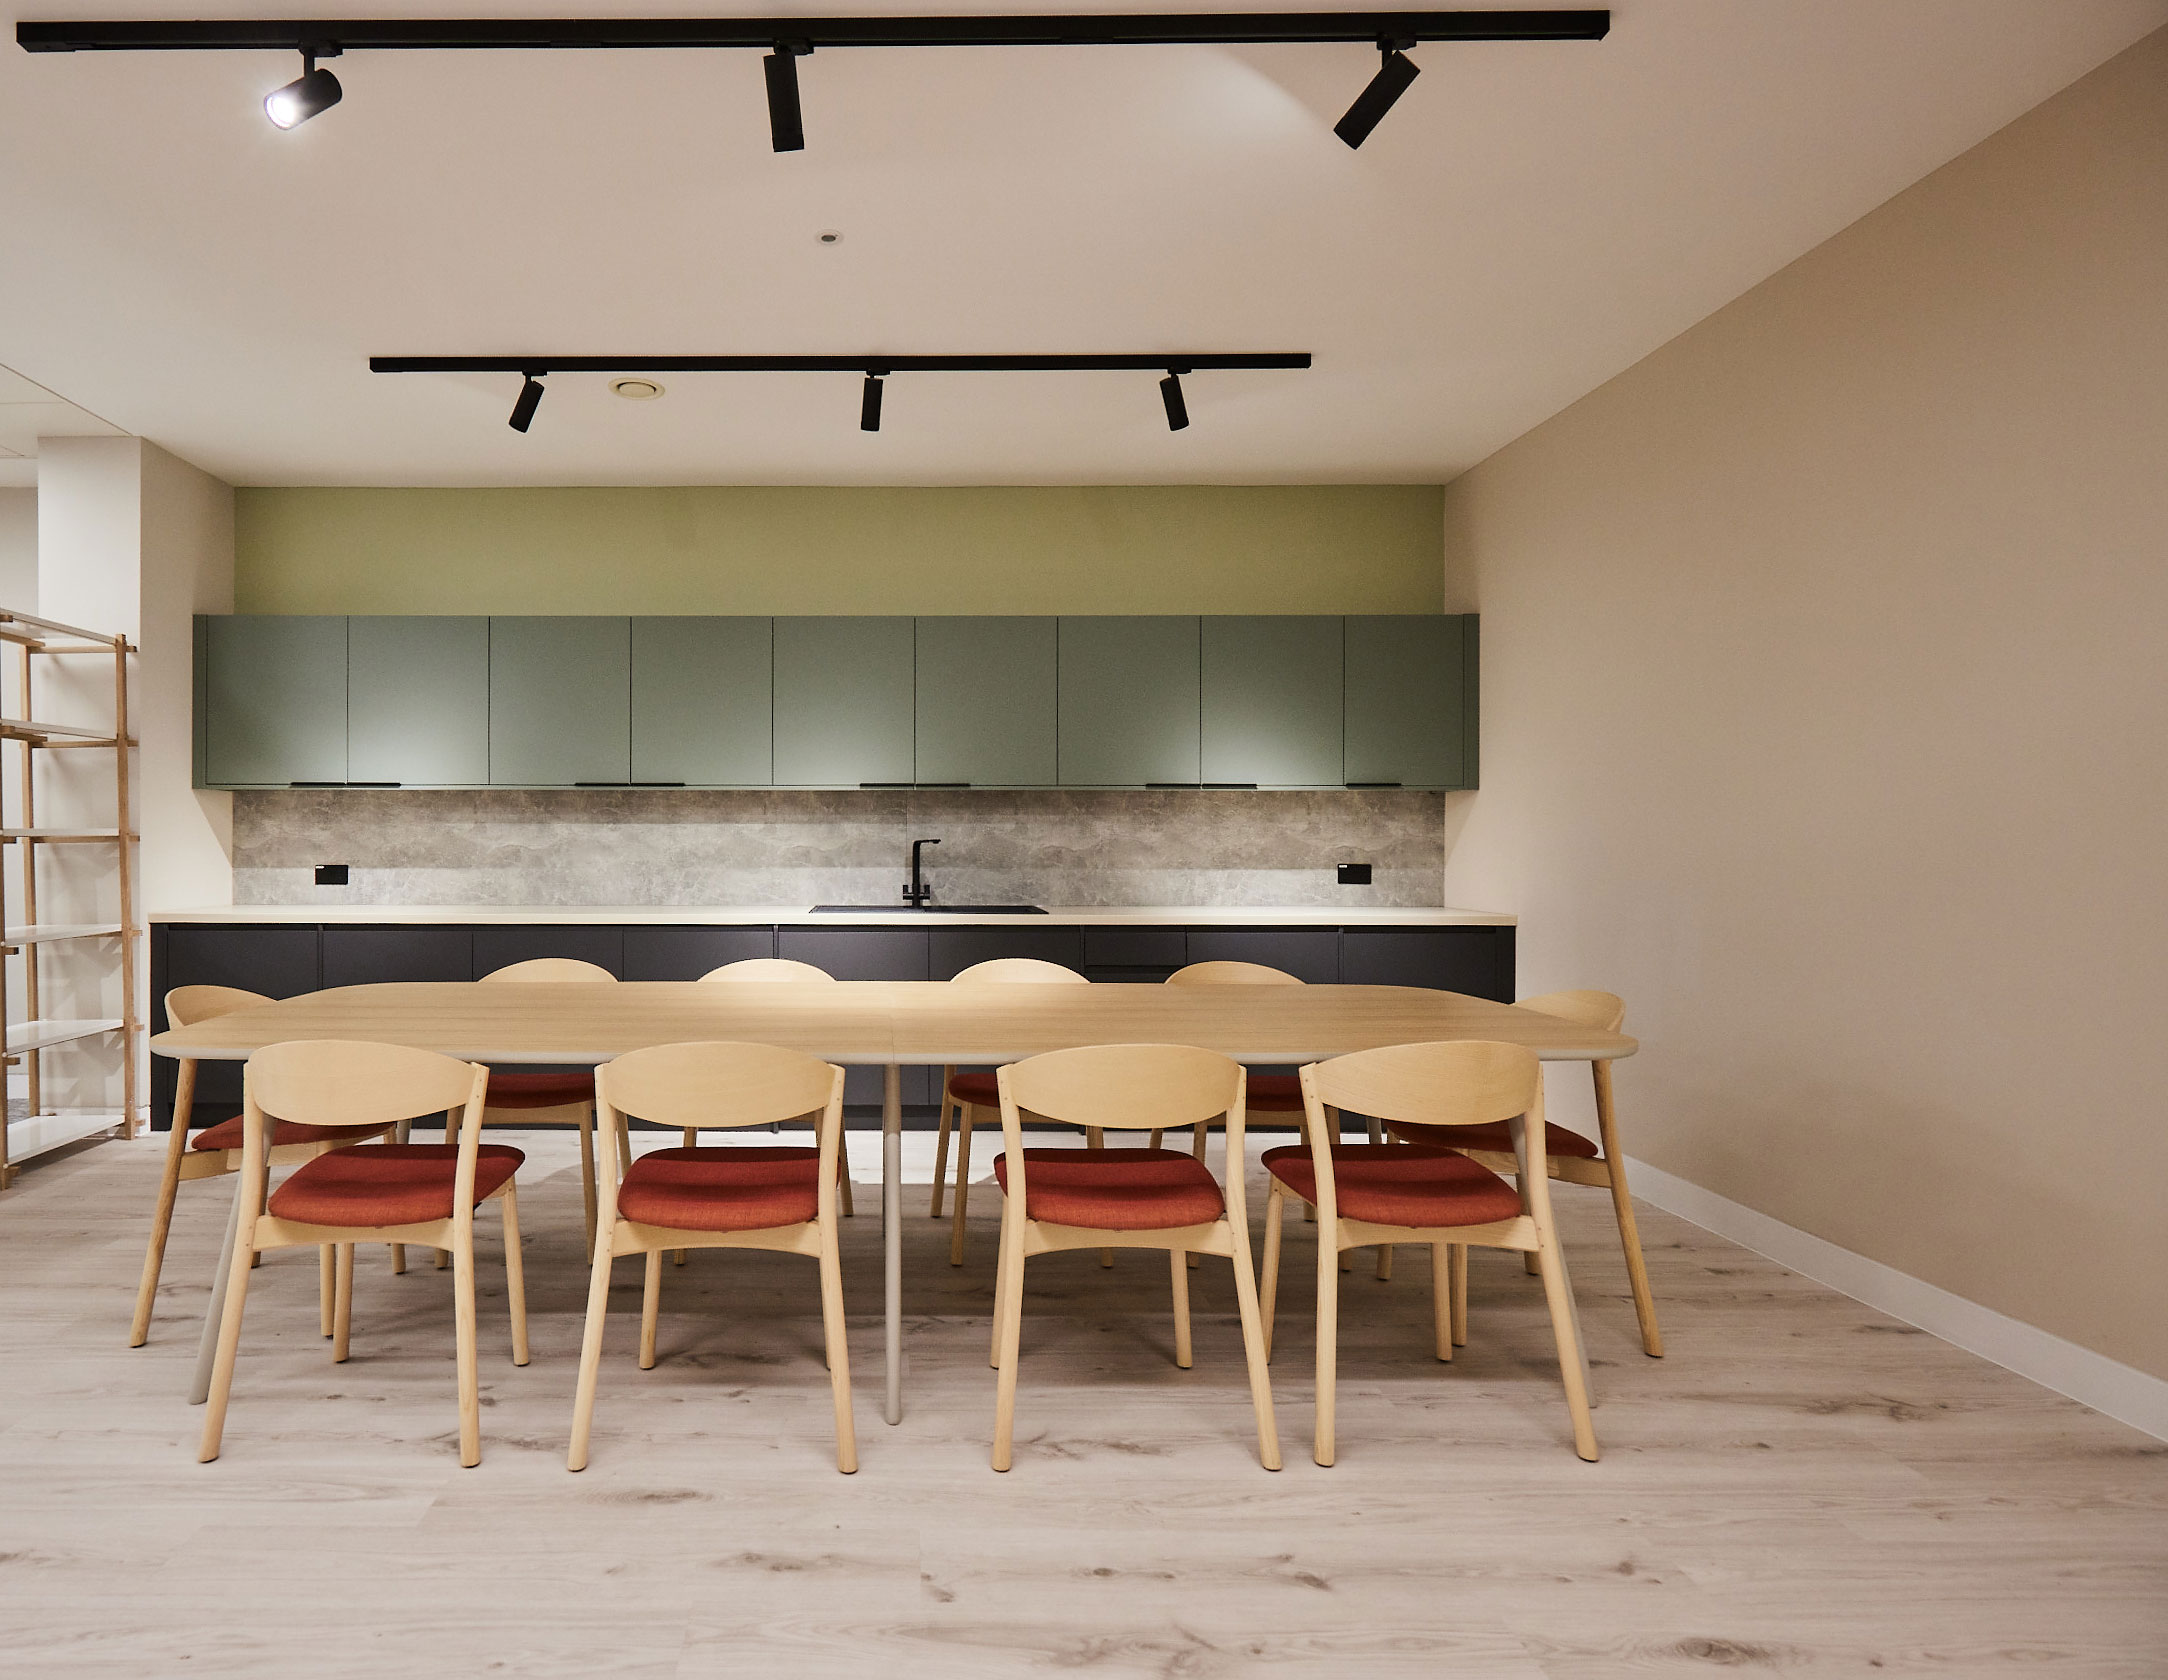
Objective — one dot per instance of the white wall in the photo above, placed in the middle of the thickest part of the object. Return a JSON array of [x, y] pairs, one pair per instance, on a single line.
[[19, 549], [1826, 719]]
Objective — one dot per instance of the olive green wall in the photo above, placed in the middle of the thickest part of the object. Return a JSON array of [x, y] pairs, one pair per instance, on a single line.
[[1112, 549]]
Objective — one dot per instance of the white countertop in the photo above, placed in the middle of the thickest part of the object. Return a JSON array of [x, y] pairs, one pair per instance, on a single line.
[[799, 915]]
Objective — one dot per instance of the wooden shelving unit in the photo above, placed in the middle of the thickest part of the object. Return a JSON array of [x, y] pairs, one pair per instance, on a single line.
[[24, 864]]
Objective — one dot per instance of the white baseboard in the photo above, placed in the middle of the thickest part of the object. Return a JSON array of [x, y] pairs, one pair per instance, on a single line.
[[2093, 1379]]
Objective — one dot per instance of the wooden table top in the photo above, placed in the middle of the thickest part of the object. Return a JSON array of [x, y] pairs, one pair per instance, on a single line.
[[883, 1021]]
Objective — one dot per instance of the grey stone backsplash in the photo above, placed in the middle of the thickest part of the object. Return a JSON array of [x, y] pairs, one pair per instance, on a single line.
[[671, 847]]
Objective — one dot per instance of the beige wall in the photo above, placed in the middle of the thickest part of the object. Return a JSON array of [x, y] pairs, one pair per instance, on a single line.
[[1826, 705], [1107, 549]]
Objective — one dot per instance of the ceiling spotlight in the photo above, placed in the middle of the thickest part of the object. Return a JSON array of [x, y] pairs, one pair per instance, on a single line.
[[786, 125], [636, 390], [869, 407], [1374, 101], [1170, 393], [530, 399], [312, 92]]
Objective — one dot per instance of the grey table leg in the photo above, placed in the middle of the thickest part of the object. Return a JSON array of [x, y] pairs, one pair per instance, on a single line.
[[207, 1350], [892, 1231], [1518, 1127]]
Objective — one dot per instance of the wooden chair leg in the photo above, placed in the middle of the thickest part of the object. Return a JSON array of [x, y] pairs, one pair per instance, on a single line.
[[470, 1375], [1622, 1204], [169, 1189], [1094, 1138], [1158, 1132], [587, 1170], [1001, 1286], [839, 1356], [229, 1344], [327, 1290], [1011, 1310], [1558, 1298], [515, 1272], [1441, 1298], [650, 1308], [342, 1315], [583, 1398], [401, 1133], [1254, 1352], [1275, 1211], [843, 1174], [1328, 1339], [940, 1145], [1198, 1152], [1460, 1294], [963, 1182], [1385, 1250], [1180, 1268]]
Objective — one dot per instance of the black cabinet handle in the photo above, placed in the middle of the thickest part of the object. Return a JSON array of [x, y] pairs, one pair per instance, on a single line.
[[1353, 785], [344, 784], [626, 784]]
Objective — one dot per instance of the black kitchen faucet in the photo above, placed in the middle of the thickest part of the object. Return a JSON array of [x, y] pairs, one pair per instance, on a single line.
[[916, 892]]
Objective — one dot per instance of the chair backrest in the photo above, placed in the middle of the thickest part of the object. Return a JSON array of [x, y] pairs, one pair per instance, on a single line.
[[1466, 1082], [1025, 969], [1231, 974], [768, 968], [1604, 1010], [716, 1084], [551, 968], [348, 1082], [186, 1005]]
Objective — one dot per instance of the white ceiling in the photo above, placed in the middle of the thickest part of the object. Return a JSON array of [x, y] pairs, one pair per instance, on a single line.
[[1529, 221], [28, 411]]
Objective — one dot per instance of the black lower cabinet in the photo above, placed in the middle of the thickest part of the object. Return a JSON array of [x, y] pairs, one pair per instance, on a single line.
[[659, 953], [279, 962], [867, 954], [501, 947], [1474, 960], [952, 950], [1309, 954], [380, 956], [1134, 953]]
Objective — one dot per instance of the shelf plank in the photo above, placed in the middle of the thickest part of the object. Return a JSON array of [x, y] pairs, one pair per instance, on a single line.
[[44, 933], [38, 1133], [54, 836], [25, 1036], [29, 730]]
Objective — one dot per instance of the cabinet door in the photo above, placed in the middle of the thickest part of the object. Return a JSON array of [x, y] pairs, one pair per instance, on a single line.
[[370, 956], [843, 702], [686, 953], [279, 962], [703, 701], [952, 950], [274, 699], [560, 701], [417, 701], [1311, 955], [1272, 701], [502, 946], [1476, 961], [1410, 709], [1127, 693], [986, 701]]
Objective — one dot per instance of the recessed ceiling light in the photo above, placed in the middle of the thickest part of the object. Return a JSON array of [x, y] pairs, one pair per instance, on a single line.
[[638, 390], [829, 236]]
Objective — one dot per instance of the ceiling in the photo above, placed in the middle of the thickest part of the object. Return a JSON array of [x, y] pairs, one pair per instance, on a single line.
[[1530, 220]]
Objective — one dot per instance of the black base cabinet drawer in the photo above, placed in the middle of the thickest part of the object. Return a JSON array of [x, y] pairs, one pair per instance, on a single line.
[[1309, 954], [378, 956], [1474, 960], [653, 953]]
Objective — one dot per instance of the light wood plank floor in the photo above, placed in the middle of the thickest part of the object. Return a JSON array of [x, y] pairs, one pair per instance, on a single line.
[[1803, 1488]]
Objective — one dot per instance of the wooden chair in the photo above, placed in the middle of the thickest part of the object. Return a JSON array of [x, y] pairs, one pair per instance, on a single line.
[[1055, 1199], [780, 1198], [215, 1151], [389, 1193], [1574, 1158], [531, 1095], [967, 1093], [772, 969], [1370, 1193]]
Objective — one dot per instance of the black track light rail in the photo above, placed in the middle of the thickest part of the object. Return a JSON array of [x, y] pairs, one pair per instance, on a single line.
[[332, 35], [1182, 361]]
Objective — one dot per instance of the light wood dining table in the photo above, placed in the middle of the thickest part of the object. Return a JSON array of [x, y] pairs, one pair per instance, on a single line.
[[890, 1024]]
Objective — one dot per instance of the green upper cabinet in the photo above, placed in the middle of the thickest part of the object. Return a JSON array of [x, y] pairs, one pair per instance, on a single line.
[[986, 701], [843, 702], [1411, 701], [417, 701], [1272, 701], [273, 698], [1128, 702], [560, 701], [703, 701]]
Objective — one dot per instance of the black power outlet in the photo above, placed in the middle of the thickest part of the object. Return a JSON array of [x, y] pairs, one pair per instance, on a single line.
[[331, 874], [1354, 874]]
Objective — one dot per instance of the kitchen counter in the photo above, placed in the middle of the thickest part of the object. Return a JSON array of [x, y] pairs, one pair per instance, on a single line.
[[799, 915]]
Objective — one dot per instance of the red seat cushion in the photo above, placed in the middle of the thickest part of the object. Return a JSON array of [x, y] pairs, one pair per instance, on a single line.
[[977, 1089], [1116, 1189], [1274, 1093], [1401, 1184], [1495, 1138], [227, 1134], [722, 1189], [388, 1183], [539, 1090]]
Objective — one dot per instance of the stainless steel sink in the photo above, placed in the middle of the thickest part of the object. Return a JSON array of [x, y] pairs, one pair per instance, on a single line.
[[928, 909]]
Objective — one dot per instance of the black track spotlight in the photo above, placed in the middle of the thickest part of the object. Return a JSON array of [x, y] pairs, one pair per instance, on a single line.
[[530, 399], [1374, 101], [314, 91], [786, 124], [1170, 393], [869, 407]]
